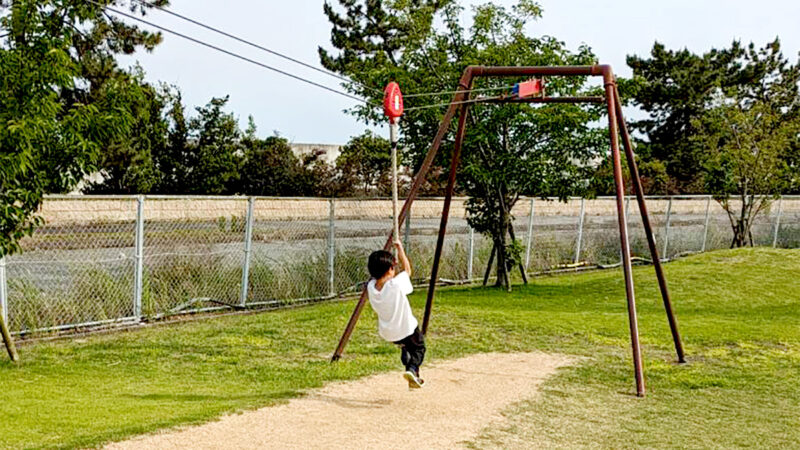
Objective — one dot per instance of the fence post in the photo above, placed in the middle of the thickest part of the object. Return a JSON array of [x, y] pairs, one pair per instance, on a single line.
[[3, 290], [627, 208], [248, 248], [777, 223], [332, 246], [138, 258], [665, 255], [705, 227], [580, 232], [530, 237], [628, 221], [471, 253]]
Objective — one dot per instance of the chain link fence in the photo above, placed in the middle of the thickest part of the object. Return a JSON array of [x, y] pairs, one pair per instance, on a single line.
[[107, 260]]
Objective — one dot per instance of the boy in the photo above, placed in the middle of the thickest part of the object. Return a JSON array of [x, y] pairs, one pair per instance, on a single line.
[[396, 323]]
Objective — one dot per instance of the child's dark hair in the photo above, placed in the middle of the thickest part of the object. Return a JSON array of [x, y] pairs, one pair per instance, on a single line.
[[379, 263]]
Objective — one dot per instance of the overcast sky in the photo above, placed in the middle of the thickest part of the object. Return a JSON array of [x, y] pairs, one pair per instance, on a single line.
[[302, 113]]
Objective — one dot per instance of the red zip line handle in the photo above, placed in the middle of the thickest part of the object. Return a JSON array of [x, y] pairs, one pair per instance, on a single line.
[[393, 102]]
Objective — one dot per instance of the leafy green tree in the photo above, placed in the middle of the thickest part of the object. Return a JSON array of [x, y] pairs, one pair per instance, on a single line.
[[748, 144], [675, 88], [270, 167], [51, 136], [510, 150], [171, 159], [364, 165], [127, 163], [214, 151], [316, 177]]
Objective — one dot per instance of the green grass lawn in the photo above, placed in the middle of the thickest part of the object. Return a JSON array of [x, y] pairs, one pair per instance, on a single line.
[[739, 313]]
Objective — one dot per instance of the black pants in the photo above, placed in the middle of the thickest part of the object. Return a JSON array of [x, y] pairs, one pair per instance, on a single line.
[[413, 350]]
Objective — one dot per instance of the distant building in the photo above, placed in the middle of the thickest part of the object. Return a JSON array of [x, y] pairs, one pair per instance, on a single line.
[[330, 151]]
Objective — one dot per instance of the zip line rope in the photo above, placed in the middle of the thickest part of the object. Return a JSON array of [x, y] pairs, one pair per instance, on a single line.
[[432, 94], [461, 102]]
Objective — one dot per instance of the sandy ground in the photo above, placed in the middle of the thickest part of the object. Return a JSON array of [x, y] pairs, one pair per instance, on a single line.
[[460, 398]]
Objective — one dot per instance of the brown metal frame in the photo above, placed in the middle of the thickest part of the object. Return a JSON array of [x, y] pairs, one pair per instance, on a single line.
[[617, 127]]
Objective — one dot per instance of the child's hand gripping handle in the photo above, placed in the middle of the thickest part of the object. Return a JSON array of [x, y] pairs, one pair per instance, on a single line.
[[402, 257]]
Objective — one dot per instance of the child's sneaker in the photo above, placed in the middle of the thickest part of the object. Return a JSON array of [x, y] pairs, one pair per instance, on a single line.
[[414, 382]]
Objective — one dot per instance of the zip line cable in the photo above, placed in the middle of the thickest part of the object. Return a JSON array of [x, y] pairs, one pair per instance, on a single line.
[[461, 102], [257, 46], [432, 94], [229, 53]]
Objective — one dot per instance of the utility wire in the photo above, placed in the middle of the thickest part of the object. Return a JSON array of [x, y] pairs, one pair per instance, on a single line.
[[291, 75], [302, 63], [257, 46], [289, 58], [228, 52]]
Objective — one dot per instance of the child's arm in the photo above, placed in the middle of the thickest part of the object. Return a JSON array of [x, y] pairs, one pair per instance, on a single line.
[[401, 255]]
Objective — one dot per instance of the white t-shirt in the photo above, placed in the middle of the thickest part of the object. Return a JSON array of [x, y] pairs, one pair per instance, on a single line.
[[395, 319]]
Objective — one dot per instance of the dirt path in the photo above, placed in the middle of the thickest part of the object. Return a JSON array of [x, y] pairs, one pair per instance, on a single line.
[[460, 398]]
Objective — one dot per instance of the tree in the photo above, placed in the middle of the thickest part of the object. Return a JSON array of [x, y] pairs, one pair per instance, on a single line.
[[675, 89], [50, 135], [270, 167], [171, 160], [748, 144], [315, 176], [127, 164], [364, 165], [214, 156], [510, 150]]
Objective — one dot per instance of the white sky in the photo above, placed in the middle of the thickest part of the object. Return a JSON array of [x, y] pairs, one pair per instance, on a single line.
[[302, 113]]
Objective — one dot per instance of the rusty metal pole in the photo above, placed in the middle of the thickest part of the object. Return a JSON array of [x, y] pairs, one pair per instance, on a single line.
[[648, 230], [451, 183], [610, 87], [444, 126]]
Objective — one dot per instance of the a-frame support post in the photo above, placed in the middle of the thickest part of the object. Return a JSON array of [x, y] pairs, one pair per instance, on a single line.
[[610, 88], [648, 230], [444, 126], [451, 183]]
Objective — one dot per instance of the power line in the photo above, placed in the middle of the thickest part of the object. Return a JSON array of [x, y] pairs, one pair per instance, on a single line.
[[302, 63], [257, 46], [291, 75], [289, 58], [228, 52]]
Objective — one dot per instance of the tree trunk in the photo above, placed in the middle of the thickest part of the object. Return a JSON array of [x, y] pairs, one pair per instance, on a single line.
[[742, 233], [501, 262], [501, 242]]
